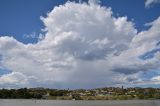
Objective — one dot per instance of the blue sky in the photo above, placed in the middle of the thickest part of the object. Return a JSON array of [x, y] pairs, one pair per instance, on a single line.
[[19, 17], [22, 17], [60, 44]]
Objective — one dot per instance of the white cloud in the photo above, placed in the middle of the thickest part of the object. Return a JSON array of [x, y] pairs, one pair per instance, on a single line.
[[157, 79], [14, 79], [149, 3], [84, 46], [94, 2]]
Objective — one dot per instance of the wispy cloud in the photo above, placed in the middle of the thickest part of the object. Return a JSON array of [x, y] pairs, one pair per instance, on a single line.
[[150, 3]]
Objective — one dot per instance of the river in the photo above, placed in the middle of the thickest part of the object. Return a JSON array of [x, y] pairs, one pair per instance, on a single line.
[[22, 102]]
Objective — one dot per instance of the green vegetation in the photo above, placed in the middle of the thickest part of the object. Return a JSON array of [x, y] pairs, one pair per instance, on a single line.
[[111, 93], [22, 93]]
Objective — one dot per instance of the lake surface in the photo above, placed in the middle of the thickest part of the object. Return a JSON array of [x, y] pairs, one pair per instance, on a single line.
[[6, 102]]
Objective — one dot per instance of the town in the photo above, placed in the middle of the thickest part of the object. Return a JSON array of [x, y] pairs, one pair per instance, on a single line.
[[106, 93]]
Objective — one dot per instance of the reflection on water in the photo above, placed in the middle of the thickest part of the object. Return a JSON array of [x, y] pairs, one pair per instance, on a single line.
[[4, 102]]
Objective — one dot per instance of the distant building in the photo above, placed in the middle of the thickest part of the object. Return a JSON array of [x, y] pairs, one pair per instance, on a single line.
[[45, 96]]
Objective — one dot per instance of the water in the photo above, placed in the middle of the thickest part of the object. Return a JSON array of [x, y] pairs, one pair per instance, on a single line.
[[5, 102]]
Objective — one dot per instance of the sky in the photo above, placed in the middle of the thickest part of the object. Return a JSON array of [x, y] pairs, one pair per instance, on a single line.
[[79, 43]]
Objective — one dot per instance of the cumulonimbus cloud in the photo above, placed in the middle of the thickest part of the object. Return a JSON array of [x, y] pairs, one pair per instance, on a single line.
[[84, 44]]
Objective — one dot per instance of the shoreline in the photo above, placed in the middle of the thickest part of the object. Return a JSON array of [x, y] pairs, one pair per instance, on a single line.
[[81, 100]]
